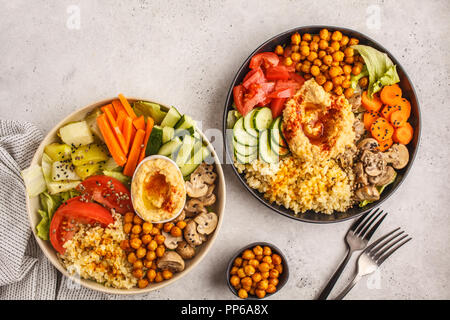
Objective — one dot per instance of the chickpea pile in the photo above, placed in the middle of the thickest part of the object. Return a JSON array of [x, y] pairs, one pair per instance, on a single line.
[[326, 57], [256, 272], [145, 245]]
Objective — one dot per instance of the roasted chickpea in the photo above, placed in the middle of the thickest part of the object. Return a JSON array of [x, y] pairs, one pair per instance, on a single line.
[[150, 256], [176, 232], [147, 264], [249, 270], [336, 36], [160, 239], [125, 245], [159, 226], [306, 62], [307, 76], [136, 229], [259, 257], [345, 84], [323, 34], [260, 293], [298, 67], [328, 86], [312, 56], [242, 294], [159, 277], [244, 263], [304, 43], [356, 70], [134, 236], [317, 62], [152, 245], [271, 288], [304, 51], [160, 251], [141, 252], [334, 72], [295, 38], [348, 92], [254, 263], [246, 282], [267, 259], [338, 56], [323, 44], [344, 41], [146, 238], [168, 226], [307, 37], [264, 267], [151, 275], [320, 79], [353, 41], [335, 45], [295, 56], [155, 231], [276, 259], [273, 281], [127, 227], [233, 270], [305, 68], [241, 273], [338, 90], [135, 243], [138, 273], [288, 61], [263, 284], [363, 82], [274, 273], [349, 52], [137, 220], [256, 277], [265, 275], [167, 274], [349, 60], [347, 69], [142, 283], [234, 280], [295, 48], [313, 46], [327, 59], [316, 38], [181, 224], [138, 264], [279, 268], [238, 262], [315, 71], [337, 81], [248, 255], [279, 50], [128, 217], [154, 266], [147, 227]]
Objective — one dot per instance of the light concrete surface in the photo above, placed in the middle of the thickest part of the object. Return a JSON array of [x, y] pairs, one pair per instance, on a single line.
[[185, 53]]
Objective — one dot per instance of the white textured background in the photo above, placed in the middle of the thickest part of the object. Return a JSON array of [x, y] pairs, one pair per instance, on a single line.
[[185, 53]]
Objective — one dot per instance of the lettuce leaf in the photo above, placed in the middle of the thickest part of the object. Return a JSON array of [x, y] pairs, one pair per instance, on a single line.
[[381, 69]]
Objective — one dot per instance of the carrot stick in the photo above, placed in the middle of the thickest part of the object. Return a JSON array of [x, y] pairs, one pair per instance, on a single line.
[[128, 131], [139, 123], [127, 106], [120, 119], [113, 146], [116, 130], [111, 109], [117, 105], [134, 153], [148, 131]]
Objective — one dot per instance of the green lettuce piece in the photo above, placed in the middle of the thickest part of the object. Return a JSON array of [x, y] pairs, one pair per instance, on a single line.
[[49, 203], [119, 176], [43, 228], [381, 69]]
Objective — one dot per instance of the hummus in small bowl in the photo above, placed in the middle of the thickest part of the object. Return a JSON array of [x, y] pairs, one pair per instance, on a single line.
[[158, 190]]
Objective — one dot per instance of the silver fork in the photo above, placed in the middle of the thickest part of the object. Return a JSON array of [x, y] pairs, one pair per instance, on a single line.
[[356, 239], [374, 255]]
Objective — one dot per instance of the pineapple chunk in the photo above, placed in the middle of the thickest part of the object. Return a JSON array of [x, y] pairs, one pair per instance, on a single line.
[[76, 134], [87, 170], [89, 154], [63, 170], [58, 151]]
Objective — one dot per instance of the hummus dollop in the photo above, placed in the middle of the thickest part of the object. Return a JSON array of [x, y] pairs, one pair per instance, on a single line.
[[158, 190], [316, 124]]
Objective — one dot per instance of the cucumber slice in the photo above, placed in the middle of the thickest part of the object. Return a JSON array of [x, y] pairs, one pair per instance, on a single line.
[[242, 136], [262, 119], [248, 123], [265, 152], [232, 117], [76, 134], [277, 143], [184, 132], [185, 122], [168, 134], [169, 149], [194, 162], [154, 141], [244, 150], [171, 118], [149, 109], [245, 159], [185, 151]]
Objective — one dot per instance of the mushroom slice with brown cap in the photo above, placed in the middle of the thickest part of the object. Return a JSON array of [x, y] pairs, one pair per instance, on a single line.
[[207, 222], [196, 188], [193, 207], [361, 176], [386, 177], [398, 155], [374, 163], [170, 241], [185, 250], [205, 172], [369, 193], [368, 144], [191, 235], [208, 200], [171, 261]]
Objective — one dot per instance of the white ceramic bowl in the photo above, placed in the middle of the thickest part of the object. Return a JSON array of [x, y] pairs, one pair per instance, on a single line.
[[50, 253]]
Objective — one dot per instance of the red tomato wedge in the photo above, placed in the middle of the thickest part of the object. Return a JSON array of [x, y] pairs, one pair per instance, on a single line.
[[287, 84], [282, 93], [107, 191], [72, 212], [277, 106], [296, 77], [238, 97], [253, 76], [277, 73], [265, 59]]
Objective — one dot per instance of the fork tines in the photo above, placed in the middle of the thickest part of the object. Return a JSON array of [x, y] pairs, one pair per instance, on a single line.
[[361, 227], [383, 247]]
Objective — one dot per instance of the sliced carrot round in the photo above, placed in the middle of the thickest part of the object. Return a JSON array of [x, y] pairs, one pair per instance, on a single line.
[[384, 145], [404, 106], [371, 104], [369, 118], [399, 118], [391, 94], [403, 134], [382, 130], [387, 111]]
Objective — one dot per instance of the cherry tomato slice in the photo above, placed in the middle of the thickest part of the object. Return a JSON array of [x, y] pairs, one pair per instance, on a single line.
[[277, 73], [265, 59], [277, 106]]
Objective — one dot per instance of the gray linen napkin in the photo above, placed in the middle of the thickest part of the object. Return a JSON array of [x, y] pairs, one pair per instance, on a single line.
[[25, 273]]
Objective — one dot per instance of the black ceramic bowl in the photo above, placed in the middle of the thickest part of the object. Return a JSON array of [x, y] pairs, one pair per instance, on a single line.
[[283, 278], [408, 92]]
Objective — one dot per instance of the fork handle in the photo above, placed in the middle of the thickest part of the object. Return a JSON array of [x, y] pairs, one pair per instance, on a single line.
[[349, 287], [326, 291]]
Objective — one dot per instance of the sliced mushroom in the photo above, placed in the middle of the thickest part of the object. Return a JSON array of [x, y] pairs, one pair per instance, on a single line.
[[207, 222], [369, 193], [171, 261], [208, 200], [196, 189], [181, 217], [170, 241], [355, 101], [205, 172], [398, 155], [193, 207], [361, 176], [384, 178], [368, 144], [185, 250], [191, 235], [374, 163], [358, 127]]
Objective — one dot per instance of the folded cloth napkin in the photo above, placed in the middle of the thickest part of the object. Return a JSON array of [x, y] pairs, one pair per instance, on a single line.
[[25, 273]]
